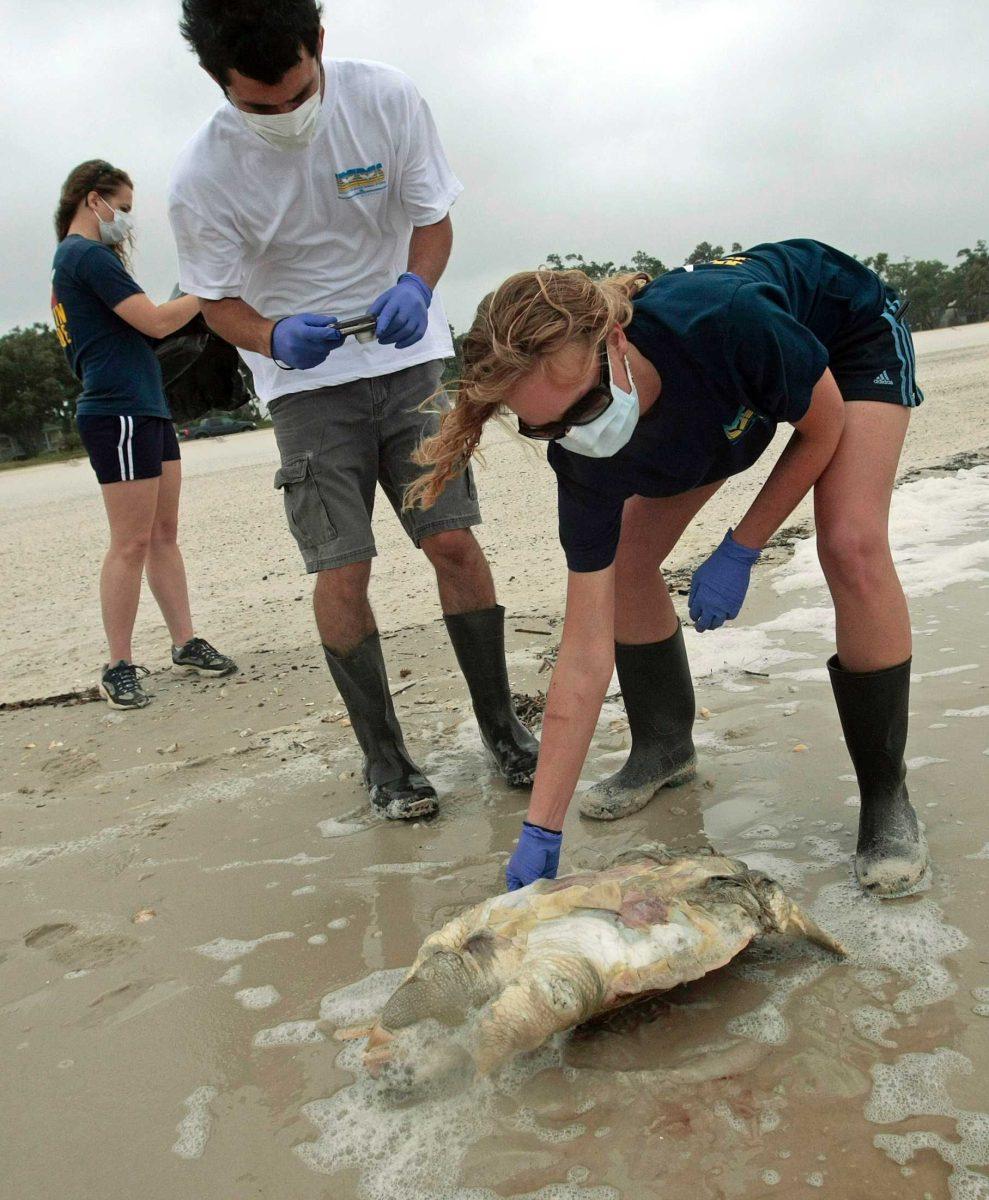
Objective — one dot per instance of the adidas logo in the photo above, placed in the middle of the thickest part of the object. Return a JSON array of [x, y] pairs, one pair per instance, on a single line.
[[883, 377]]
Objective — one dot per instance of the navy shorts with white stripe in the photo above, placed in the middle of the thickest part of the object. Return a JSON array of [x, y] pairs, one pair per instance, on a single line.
[[123, 448], [876, 360]]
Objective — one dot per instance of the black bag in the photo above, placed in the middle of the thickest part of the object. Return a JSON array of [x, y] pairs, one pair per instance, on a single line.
[[201, 372]]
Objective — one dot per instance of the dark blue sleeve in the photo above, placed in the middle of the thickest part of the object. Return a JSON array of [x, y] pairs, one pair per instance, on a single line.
[[777, 360], [101, 270], [590, 525]]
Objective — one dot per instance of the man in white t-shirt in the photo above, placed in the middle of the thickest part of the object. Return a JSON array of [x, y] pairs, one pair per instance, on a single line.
[[320, 191]]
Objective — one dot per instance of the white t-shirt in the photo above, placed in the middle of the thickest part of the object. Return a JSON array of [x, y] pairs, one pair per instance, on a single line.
[[321, 229]]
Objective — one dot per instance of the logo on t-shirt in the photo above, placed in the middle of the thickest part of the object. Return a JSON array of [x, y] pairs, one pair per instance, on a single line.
[[61, 322], [740, 425], [735, 260], [359, 181]]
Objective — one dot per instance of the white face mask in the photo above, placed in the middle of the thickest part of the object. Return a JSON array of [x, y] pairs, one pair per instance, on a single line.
[[291, 130], [114, 231], [609, 432]]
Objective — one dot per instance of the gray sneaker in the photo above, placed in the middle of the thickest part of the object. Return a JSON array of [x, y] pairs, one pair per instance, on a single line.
[[120, 686], [199, 656]]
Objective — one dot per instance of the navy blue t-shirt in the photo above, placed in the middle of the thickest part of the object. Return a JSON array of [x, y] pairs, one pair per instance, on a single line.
[[739, 344], [116, 364]]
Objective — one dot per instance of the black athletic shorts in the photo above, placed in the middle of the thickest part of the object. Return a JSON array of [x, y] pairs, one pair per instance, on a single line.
[[876, 362], [124, 448]]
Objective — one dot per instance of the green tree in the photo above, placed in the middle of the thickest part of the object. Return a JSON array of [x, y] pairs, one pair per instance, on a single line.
[[926, 283], [704, 252], [971, 282], [36, 386]]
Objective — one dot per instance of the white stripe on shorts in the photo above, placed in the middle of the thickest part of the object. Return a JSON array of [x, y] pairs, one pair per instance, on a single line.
[[130, 446], [120, 448]]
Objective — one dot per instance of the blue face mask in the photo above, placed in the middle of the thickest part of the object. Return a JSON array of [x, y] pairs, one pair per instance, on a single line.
[[609, 432]]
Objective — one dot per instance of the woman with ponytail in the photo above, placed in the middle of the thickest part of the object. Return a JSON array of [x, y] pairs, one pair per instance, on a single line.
[[106, 326], [650, 395]]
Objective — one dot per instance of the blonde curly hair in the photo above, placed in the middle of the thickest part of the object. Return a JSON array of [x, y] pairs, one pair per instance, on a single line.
[[530, 317]]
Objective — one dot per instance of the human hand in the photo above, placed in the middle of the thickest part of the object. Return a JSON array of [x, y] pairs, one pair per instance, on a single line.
[[718, 588], [304, 341], [537, 856], [403, 311]]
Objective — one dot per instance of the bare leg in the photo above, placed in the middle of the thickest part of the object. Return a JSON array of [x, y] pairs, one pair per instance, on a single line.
[[851, 508], [463, 576], [130, 509], [650, 529], [164, 566], [343, 612]]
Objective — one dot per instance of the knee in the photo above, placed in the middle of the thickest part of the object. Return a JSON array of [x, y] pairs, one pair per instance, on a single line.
[[450, 552], [164, 533], [343, 586], [853, 557], [132, 550]]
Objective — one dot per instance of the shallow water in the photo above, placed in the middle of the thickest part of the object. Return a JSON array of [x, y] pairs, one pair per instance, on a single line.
[[144, 1064]]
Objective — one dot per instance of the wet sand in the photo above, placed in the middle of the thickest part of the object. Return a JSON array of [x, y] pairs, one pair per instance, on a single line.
[[187, 892], [248, 590]]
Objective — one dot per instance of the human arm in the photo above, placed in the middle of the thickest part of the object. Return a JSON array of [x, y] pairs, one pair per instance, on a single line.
[[403, 309], [299, 342], [810, 448], [718, 588], [577, 690], [157, 320]]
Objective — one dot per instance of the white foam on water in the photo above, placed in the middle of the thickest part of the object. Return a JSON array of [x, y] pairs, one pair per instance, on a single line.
[[318, 939], [916, 1085], [914, 764], [258, 997], [927, 520], [308, 890], [227, 949], [815, 1179], [765, 1024], [416, 1151], [332, 828], [945, 671], [770, 1177], [872, 1023], [362, 1001], [289, 1033], [407, 868], [233, 976], [981, 711], [297, 860], [909, 937], [803, 620], [338, 923], [197, 1124]]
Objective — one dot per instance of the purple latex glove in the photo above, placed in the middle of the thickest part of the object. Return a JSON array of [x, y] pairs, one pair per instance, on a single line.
[[718, 589], [537, 856], [304, 341], [403, 311]]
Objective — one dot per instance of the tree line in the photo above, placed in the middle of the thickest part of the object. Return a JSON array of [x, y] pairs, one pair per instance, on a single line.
[[37, 389]]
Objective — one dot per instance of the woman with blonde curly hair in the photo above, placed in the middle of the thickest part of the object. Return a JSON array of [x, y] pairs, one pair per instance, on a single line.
[[650, 395]]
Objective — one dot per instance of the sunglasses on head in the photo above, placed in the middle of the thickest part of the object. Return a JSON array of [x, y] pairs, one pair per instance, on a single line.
[[582, 412]]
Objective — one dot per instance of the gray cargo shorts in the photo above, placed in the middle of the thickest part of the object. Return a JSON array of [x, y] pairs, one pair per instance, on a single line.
[[336, 443]]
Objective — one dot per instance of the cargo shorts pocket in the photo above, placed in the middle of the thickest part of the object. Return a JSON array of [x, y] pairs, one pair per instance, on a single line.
[[304, 508]]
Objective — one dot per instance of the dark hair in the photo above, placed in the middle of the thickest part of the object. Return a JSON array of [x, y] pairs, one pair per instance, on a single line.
[[257, 38], [95, 175]]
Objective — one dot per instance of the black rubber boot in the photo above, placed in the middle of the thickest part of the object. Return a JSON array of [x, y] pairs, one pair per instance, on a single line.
[[398, 789], [479, 643], [659, 703], [891, 855]]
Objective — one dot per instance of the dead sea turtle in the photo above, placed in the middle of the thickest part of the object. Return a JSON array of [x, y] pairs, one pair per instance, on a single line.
[[509, 973]]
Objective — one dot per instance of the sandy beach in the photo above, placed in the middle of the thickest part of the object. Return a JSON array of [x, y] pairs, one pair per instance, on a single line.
[[195, 899]]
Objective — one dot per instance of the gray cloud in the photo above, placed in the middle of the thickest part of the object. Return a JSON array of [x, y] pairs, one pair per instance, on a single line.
[[574, 126]]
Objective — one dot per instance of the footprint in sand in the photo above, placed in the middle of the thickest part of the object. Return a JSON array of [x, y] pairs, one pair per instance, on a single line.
[[76, 950]]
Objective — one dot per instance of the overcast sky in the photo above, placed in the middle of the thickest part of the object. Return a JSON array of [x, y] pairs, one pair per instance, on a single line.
[[597, 127]]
